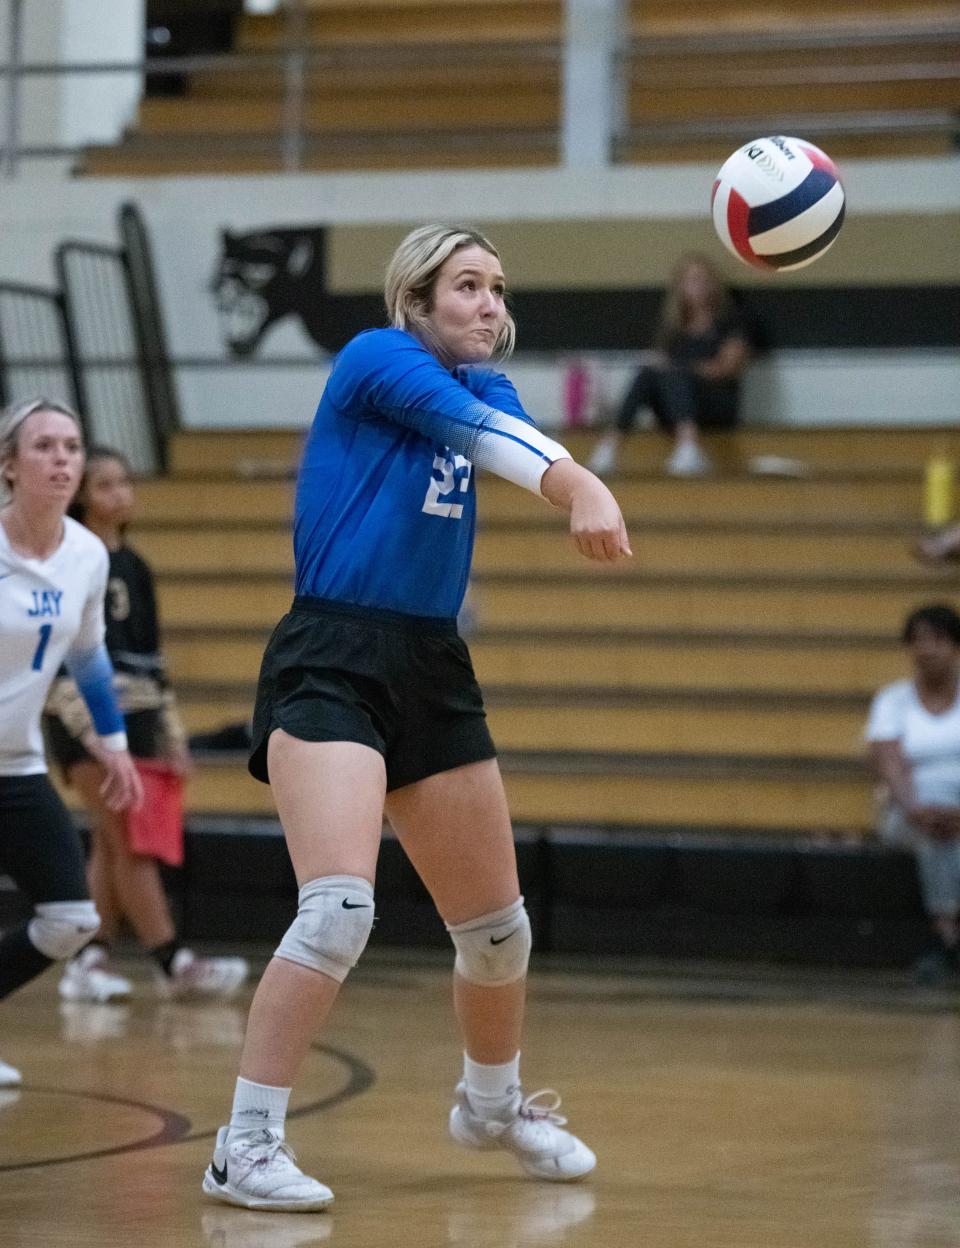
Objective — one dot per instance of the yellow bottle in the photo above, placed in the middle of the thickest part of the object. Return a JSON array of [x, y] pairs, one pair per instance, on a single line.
[[938, 492]]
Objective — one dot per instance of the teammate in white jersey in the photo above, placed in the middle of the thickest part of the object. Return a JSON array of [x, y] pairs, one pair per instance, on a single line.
[[53, 575]]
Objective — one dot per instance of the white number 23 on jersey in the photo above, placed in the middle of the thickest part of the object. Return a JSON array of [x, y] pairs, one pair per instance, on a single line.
[[454, 480]]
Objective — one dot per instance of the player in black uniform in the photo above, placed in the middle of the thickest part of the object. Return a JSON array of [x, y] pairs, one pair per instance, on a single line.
[[126, 849]]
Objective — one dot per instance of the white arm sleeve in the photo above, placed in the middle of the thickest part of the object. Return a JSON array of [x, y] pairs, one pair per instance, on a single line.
[[516, 451]]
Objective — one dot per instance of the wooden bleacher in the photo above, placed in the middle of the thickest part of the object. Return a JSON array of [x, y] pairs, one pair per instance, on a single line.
[[719, 682], [431, 83]]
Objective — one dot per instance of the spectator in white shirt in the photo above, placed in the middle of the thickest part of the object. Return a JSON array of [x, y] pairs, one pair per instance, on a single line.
[[914, 736]]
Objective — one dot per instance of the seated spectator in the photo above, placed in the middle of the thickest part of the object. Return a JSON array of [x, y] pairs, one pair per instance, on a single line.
[[914, 736], [693, 380]]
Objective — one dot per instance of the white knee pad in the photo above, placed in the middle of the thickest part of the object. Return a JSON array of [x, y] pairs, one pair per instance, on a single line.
[[59, 929], [495, 948], [332, 926]]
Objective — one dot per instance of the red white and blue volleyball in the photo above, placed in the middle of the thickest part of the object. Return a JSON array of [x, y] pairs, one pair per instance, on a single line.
[[778, 203]]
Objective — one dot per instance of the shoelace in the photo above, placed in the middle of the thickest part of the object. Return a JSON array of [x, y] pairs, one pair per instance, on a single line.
[[264, 1145], [533, 1111]]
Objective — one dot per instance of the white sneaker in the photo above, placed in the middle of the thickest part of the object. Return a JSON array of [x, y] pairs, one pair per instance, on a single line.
[[777, 466], [87, 978], [192, 976], [687, 460], [258, 1170], [10, 1077], [604, 459], [533, 1135]]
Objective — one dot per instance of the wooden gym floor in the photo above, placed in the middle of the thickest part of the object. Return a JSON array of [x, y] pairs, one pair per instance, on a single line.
[[726, 1112]]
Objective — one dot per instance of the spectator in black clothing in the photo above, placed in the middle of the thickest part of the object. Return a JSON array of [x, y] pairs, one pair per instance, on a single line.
[[693, 380]]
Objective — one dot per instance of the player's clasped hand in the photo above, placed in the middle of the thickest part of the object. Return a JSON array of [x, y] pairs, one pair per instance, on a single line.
[[596, 523], [121, 788]]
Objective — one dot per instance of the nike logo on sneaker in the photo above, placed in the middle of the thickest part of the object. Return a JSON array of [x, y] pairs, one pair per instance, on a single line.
[[494, 941], [220, 1176], [355, 905]]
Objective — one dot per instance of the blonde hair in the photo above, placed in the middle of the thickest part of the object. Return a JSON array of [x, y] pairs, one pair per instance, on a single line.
[[411, 279], [674, 313], [11, 424]]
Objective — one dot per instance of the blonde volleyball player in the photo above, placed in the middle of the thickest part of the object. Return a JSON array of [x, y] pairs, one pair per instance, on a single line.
[[53, 575], [367, 701]]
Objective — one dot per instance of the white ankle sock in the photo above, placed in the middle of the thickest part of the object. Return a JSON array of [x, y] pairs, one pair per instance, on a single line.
[[257, 1105], [493, 1091]]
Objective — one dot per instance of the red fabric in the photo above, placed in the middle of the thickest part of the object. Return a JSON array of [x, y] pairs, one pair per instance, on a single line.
[[156, 829]]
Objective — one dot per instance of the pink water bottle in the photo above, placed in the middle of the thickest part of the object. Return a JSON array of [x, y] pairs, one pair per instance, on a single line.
[[576, 395]]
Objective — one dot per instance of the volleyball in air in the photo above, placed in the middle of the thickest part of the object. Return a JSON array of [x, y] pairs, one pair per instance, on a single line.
[[778, 203]]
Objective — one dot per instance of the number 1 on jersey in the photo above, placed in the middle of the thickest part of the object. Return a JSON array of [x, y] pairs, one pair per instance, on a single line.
[[45, 631]]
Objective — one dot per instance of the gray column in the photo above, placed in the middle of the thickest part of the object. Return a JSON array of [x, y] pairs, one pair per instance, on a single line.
[[14, 50], [594, 81]]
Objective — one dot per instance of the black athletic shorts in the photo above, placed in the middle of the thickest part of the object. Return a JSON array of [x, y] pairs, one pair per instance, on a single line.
[[402, 684], [39, 846]]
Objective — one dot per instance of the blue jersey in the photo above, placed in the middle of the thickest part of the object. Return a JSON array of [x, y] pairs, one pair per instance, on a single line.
[[386, 504]]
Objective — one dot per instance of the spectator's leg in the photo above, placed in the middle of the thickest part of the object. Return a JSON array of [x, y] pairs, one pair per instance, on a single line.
[[677, 399], [939, 870], [640, 393]]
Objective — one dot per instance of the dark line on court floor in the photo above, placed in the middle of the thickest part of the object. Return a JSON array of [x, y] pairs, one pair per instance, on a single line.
[[176, 1127]]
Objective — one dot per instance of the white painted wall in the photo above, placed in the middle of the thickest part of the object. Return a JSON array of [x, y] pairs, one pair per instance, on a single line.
[[74, 109], [185, 216], [97, 108], [798, 388], [39, 97]]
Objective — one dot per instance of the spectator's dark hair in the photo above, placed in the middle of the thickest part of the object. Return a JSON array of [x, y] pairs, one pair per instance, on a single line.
[[942, 619], [95, 455]]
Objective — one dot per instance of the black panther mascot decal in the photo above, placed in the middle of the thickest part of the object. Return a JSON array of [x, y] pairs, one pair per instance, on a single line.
[[270, 274]]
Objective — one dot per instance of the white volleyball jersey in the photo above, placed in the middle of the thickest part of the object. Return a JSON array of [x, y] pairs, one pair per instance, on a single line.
[[48, 609]]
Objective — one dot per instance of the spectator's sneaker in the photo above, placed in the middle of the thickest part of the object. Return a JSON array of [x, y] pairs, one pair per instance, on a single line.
[[777, 466], [87, 977], [258, 1170], [193, 976], [10, 1077], [534, 1135], [687, 460], [937, 547], [604, 459]]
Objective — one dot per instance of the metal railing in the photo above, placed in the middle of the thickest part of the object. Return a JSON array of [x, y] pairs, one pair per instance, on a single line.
[[297, 57], [96, 341]]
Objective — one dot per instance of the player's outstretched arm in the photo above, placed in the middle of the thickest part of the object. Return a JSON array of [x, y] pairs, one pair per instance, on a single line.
[[596, 522]]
